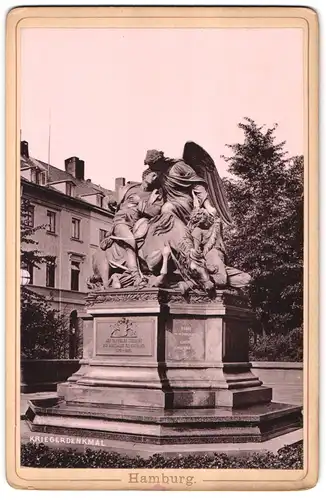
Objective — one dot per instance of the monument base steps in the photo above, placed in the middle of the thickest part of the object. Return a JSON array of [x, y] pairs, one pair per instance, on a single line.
[[156, 426]]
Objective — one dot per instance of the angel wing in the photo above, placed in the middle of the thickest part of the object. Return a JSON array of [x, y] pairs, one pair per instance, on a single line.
[[197, 158]]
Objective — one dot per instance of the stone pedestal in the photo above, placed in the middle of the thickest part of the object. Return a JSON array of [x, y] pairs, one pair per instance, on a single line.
[[160, 368], [155, 349]]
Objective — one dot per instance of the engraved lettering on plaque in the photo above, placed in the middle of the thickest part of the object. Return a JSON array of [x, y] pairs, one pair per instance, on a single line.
[[186, 340], [125, 337]]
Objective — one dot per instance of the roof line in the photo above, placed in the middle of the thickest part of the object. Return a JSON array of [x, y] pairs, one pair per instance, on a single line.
[[68, 198], [60, 182]]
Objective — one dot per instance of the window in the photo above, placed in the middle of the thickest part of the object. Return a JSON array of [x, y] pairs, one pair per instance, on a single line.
[[29, 219], [100, 200], [50, 274], [42, 178], [69, 189], [73, 335], [38, 176], [102, 234], [75, 271], [34, 175], [51, 221], [30, 269], [76, 229]]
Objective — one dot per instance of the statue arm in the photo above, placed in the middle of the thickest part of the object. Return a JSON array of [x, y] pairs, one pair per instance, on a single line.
[[215, 239], [201, 195], [197, 237], [152, 206], [152, 210], [200, 192]]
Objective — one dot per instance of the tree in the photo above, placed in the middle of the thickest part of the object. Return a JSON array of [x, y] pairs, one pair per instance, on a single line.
[[29, 255], [266, 199], [44, 331]]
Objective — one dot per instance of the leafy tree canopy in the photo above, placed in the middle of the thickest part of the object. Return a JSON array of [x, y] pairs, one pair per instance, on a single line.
[[265, 193]]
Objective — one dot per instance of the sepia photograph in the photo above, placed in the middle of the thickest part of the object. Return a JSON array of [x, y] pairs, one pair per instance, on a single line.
[[162, 228]]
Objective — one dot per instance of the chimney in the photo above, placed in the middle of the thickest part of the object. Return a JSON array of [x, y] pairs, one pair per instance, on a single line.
[[24, 149], [75, 167], [119, 183]]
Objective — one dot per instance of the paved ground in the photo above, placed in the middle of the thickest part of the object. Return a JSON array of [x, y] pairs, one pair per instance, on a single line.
[[291, 394]]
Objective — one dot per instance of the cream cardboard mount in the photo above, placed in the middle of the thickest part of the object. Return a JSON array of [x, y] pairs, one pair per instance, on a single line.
[[165, 366]]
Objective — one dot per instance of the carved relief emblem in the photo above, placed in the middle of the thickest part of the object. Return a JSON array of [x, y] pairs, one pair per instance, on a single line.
[[123, 328]]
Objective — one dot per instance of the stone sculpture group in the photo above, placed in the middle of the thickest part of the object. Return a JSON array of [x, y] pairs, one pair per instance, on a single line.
[[167, 230]]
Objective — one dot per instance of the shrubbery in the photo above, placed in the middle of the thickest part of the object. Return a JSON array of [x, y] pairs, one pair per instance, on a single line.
[[39, 455], [44, 331], [277, 347]]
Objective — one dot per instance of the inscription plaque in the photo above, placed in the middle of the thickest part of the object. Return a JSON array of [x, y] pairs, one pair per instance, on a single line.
[[186, 340], [125, 336]]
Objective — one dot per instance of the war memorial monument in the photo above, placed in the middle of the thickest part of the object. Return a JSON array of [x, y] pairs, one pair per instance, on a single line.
[[166, 325]]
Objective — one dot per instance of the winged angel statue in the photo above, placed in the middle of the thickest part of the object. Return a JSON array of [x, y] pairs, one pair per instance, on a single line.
[[167, 230]]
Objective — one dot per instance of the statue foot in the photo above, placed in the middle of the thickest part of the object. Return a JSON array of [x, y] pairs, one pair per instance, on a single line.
[[93, 283], [220, 281], [185, 286], [156, 281], [115, 282], [140, 281], [208, 286]]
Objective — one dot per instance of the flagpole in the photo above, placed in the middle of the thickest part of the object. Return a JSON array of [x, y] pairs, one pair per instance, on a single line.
[[49, 145]]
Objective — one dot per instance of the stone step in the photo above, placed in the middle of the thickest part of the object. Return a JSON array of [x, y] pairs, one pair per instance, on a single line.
[[221, 425]]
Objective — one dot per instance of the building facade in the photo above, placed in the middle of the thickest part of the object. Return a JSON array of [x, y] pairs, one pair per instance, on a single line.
[[71, 216]]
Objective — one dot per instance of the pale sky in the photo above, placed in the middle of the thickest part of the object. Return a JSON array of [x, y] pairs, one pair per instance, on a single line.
[[114, 93]]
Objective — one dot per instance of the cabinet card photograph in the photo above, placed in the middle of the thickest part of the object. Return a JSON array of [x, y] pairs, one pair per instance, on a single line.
[[162, 257]]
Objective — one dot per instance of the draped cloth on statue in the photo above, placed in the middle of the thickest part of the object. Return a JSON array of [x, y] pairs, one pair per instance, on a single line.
[[179, 184]]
